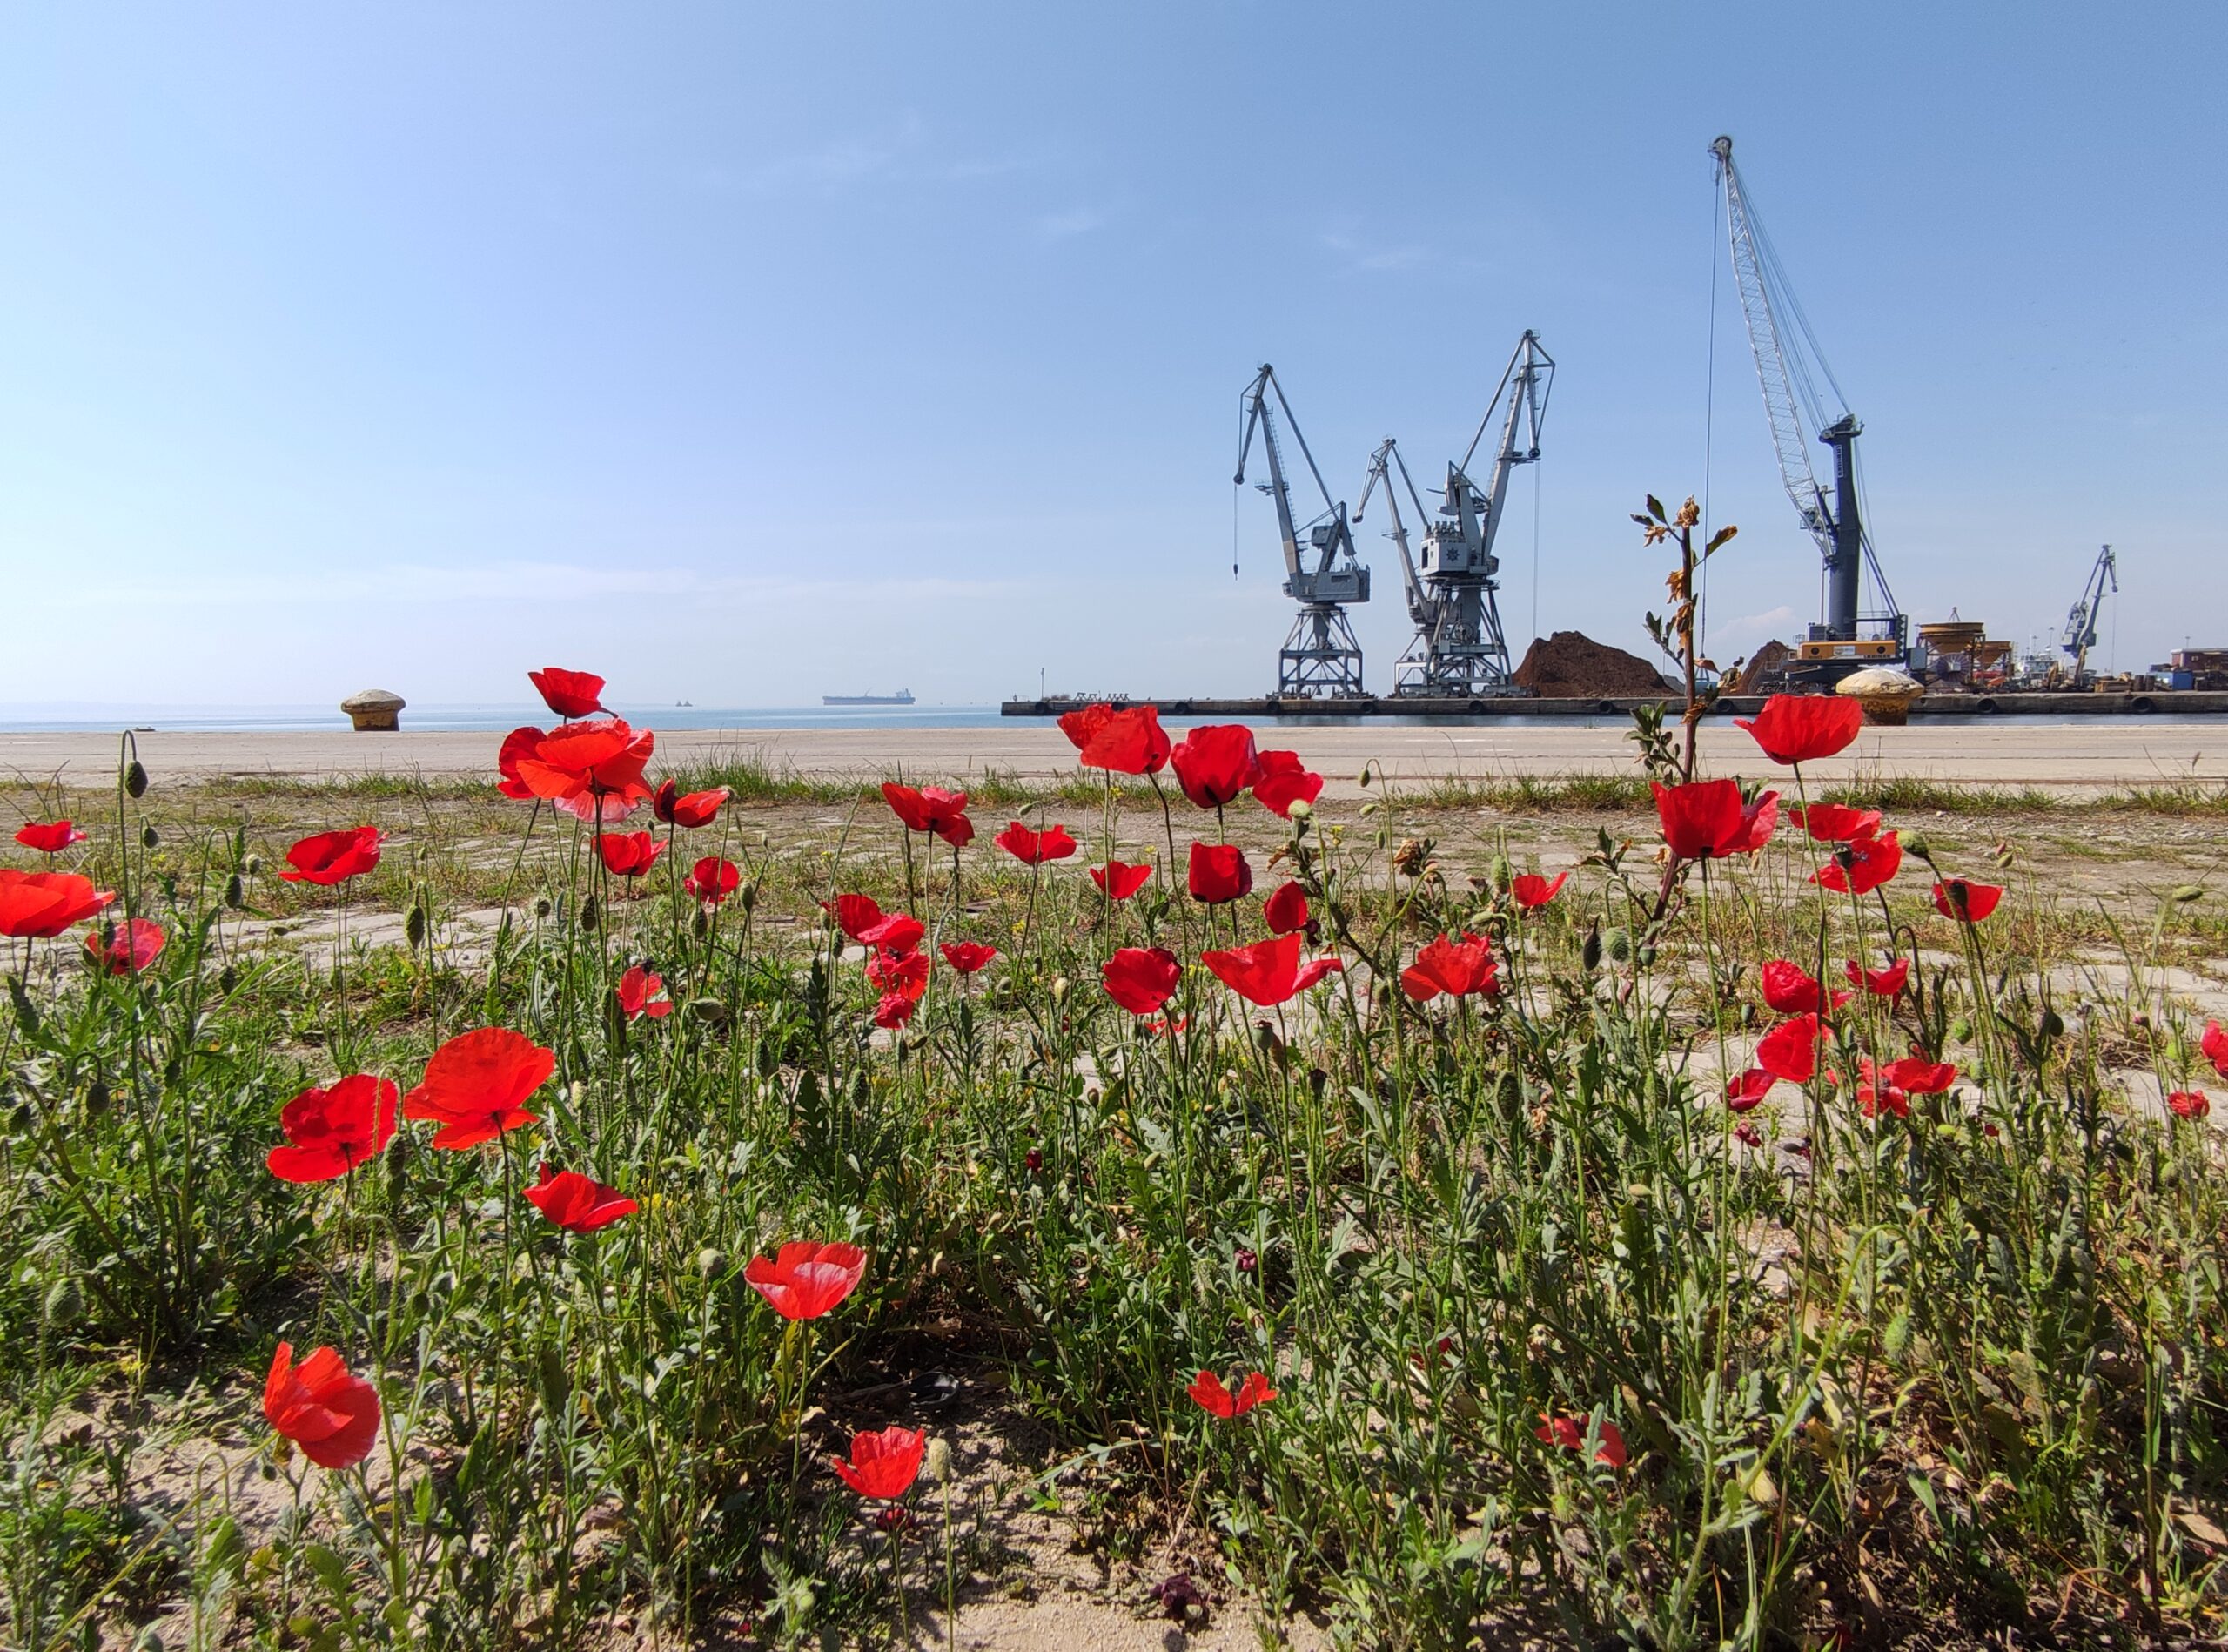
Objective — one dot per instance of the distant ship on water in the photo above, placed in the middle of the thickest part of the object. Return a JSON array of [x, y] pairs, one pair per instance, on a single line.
[[903, 697]]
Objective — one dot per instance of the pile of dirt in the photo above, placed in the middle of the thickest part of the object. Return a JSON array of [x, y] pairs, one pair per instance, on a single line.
[[1570, 665], [1763, 664]]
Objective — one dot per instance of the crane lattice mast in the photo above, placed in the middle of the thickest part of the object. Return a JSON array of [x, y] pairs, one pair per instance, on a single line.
[[1320, 658], [2080, 634], [1460, 651], [1833, 518]]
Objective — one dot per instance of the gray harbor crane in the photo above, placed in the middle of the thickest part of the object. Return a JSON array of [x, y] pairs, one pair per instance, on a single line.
[[2080, 634], [1459, 651], [1789, 368], [1321, 660]]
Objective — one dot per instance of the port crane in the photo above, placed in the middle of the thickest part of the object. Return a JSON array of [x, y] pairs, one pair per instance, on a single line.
[[1459, 651], [1788, 368], [1320, 659], [2080, 634]]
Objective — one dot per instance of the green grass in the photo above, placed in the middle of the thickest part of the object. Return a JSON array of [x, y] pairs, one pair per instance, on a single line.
[[1902, 1386]]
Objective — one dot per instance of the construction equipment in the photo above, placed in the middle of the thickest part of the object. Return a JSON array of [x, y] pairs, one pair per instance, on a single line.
[[1788, 368], [1320, 659], [1459, 651], [2080, 634]]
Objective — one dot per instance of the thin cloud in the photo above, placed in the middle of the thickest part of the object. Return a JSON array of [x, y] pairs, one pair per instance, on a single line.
[[1059, 226]]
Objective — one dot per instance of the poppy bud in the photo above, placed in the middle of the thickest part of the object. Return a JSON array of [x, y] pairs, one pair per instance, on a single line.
[[396, 1161], [252, 865], [1503, 874], [1589, 954], [413, 926], [1618, 944], [1916, 843], [148, 839], [96, 1098], [135, 779], [576, 1096], [701, 925], [556, 1378], [543, 906], [65, 1300], [1034, 1161], [1059, 989], [710, 1260], [228, 977], [1247, 1261], [1961, 1030], [748, 895], [2053, 1025], [1364, 781], [2185, 893], [590, 914], [1298, 808], [235, 892], [938, 1461]]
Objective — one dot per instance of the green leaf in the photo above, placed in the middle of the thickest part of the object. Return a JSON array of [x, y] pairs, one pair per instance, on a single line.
[[1655, 508]]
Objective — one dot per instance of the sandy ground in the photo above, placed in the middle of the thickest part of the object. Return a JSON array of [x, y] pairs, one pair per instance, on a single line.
[[2070, 754]]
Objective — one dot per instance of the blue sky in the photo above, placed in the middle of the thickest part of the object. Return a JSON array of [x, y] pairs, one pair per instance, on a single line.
[[745, 353]]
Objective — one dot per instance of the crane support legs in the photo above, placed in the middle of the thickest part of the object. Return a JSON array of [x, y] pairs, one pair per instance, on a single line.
[[1321, 660]]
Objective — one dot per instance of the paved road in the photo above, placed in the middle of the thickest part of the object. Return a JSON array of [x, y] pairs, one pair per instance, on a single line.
[[2081, 752]]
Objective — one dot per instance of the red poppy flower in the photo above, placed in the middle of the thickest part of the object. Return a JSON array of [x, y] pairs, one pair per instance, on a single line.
[[1141, 978], [1218, 873], [804, 1280], [1286, 909], [712, 880], [897, 934], [854, 914], [1834, 824], [333, 858], [1881, 983], [1789, 1051], [1162, 1026], [569, 694], [628, 854], [476, 1084], [638, 991], [576, 1202], [1119, 880], [1705, 819], [589, 769], [690, 810], [2188, 1103], [2214, 1043], [1802, 728], [1215, 763], [328, 1132], [1748, 1091], [1268, 973], [50, 837], [903, 972], [1878, 1092], [883, 1465], [1789, 990], [332, 1416], [40, 905], [932, 809], [517, 745], [1128, 740], [1861, 865], [1921, 1077], [1284, 781], [1208, 1394], [1533, 890], [136, 943], [1748, 1136], [1569, 1433], [1456, 968], [893, 1009], [967, 957], [1965, 901], [1034, 849]]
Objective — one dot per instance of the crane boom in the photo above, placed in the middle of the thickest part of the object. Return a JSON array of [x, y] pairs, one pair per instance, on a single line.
[[1381, 464], [2080, 634], [1832, 517]]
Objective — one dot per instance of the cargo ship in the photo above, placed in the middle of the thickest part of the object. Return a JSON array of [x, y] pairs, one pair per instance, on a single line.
[[903, 697]]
